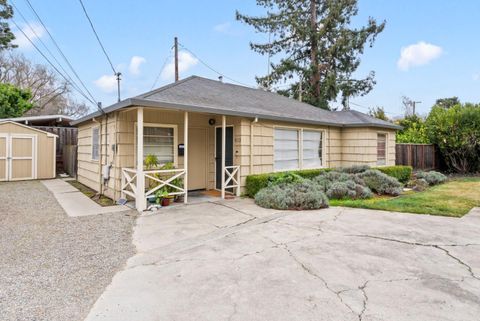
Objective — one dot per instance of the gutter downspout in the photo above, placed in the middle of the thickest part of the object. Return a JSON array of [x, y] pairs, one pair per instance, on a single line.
[[251, 143]]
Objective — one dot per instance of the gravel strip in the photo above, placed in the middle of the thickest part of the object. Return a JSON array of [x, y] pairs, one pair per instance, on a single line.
[[54, 267]]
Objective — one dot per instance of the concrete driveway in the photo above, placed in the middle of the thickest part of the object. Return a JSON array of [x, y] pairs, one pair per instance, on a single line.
[[235, 261]]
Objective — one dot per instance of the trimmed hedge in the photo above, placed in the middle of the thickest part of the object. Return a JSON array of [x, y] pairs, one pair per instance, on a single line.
[[254, 183], [402, 173]]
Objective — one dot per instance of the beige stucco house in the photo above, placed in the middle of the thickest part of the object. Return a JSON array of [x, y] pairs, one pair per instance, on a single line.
[[215, 132]]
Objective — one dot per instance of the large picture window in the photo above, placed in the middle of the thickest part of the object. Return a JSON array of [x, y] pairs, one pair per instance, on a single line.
[[95, 143], [381, 149], [159, 141], [286, 153], [312, 149]]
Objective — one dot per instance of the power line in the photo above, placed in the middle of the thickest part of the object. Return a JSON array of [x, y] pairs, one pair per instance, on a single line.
[[50, 63], [45, 46], [161, 69], [213, 69], [98, 38], [60, 50], [368, 108]]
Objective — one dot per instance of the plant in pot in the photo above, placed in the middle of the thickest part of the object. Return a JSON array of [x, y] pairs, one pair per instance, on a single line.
[[163, 197]]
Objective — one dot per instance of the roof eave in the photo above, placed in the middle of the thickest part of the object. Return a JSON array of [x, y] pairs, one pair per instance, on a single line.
[[209, 110]]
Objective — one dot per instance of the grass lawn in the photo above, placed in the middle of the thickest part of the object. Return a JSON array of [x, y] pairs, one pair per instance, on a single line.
[[99, 199], [454, 198]]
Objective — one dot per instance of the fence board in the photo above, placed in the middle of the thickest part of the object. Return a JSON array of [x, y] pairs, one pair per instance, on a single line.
[[419, 156], [66, 136]]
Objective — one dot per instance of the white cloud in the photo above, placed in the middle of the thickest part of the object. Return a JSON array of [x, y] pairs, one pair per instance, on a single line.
[[35, 32], [223, 27], [418, 54], [185, 62], [135, 63], [476, 76], [106, 83]]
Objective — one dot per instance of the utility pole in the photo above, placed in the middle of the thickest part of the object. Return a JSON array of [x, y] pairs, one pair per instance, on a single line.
[[300, 90], [414, 103], [118, 74], [176, 58]]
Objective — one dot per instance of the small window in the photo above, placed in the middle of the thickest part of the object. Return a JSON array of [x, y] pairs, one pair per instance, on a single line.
[[312, 149], [95, 143], [286, 149], [381, 149], [159, 141]]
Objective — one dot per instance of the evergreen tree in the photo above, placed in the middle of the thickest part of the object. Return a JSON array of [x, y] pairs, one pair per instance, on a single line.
[[6, 34], [319, 48]]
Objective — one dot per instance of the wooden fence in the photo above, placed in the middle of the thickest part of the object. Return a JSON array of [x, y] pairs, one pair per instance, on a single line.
[[419, 156], [67, 136], [69, 159]]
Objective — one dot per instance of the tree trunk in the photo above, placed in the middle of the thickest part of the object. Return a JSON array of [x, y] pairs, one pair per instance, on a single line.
[[315, 78]]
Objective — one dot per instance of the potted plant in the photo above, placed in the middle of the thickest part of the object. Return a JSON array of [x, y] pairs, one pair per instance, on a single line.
[[163, 197]]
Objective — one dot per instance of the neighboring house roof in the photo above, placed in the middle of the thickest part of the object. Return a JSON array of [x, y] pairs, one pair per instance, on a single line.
[[210, 96], [40, 120]]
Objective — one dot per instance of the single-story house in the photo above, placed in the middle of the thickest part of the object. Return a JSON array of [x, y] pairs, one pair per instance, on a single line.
[[216, 134], [26, 153]]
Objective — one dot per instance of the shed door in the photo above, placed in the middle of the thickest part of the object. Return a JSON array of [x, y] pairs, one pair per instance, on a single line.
[[3, 157], [21, 157]]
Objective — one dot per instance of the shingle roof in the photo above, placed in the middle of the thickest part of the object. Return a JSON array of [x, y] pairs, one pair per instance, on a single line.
[[210, 96]]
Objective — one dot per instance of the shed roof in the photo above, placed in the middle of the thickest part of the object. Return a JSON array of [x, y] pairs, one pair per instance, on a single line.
[[210, 96], [41, 119], [4, 122]]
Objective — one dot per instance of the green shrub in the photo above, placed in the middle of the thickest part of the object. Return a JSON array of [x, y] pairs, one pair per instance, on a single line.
[[354, 169], [419, 185], [381, 183], [304, 195], [284, 178], [456, 132], [255, 183], [348, 189], [401, 173], [432, 177]]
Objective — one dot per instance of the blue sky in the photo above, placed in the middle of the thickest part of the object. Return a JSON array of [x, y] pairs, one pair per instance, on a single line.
[[439, 40]]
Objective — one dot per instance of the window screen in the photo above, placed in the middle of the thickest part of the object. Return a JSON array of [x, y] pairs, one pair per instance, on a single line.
[[312, 149], [286, 149], [381, 149], [95, 143], [159, 141]]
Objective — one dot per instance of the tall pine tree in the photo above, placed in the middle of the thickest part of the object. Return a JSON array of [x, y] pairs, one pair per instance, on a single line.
[[6, 34], [319, 48]]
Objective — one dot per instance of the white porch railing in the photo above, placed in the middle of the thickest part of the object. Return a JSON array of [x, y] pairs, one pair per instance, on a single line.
[[129, 182], [232, 178], [164, 180], [160, 178]]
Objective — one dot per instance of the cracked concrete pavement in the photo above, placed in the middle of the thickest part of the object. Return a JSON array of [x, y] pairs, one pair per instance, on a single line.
[[232, 260]]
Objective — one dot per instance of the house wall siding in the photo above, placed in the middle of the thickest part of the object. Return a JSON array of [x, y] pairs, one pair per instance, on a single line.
[[359, 146], [342, 146]]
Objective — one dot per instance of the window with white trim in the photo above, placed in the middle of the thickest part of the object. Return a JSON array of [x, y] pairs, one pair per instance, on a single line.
[[381, 149], [95, 143], [159, 141], [286, 153], [312, 149]]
